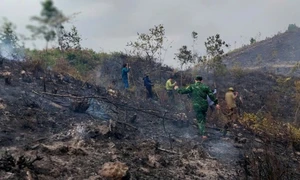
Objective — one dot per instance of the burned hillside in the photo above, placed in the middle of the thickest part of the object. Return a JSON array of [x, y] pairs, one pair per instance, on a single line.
[[279, 54], [71, 129], [72, 107], [54, 126]]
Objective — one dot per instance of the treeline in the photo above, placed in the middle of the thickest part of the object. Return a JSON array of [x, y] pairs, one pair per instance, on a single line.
[[152, 46], [50, 26]]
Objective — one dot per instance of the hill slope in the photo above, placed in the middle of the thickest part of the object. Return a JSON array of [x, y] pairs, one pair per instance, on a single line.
[[277, 54], [53, 126], [72, 129]]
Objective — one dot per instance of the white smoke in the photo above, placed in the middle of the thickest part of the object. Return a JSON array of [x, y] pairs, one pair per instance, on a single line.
[[10, 53]]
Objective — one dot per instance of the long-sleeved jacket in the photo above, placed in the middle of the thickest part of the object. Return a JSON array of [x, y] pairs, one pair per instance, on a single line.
[[169, 85], [124, 72], [230, 99], [199, 92], [147, 81]]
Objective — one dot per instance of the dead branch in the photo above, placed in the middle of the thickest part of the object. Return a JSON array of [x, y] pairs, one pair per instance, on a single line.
[[167, 151], [127, 124], [214, 128], [67, 95], [169, 135], [103, 98]]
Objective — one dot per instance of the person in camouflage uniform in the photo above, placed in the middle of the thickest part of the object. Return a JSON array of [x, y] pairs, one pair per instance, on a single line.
[[199, 93]]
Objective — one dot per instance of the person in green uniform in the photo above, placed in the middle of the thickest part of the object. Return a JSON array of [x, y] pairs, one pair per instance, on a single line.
[[199, 92]]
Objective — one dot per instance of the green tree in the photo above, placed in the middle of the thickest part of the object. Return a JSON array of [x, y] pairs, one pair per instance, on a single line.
[[151, 45], [214, 49], [252, 41], [69, 40], [184, 56], [195, 37], [50, 20]]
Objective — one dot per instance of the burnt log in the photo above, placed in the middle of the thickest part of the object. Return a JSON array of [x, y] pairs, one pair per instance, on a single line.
[[80, 106]]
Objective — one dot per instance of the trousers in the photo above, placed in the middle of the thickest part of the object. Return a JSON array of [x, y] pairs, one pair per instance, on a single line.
[[126, 85], [201, 118]]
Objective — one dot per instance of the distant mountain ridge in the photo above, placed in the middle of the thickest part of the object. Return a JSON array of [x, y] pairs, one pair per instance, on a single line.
[[278, 54]]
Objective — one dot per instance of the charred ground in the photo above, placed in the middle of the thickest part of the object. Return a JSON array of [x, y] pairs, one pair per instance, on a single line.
[[72, 129]]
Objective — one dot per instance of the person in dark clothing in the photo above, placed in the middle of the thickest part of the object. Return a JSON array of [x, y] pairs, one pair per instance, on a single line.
[[125, 71], [148, 84]]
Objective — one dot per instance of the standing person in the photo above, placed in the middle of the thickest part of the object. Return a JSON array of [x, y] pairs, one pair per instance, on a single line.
[[230, 98], [148, 84], [199, 92], [170, 87], [125, 71]]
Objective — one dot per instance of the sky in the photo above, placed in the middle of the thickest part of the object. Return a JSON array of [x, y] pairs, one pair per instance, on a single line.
[[108, 25]]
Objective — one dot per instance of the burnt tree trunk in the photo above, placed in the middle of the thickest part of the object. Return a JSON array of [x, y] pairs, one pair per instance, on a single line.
[[1, 60]]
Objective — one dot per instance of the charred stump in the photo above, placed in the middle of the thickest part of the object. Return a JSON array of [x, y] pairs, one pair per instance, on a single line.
[[44, 84], [25, 77], [54, 91], [7, 78], [80, 106], [1, 60]]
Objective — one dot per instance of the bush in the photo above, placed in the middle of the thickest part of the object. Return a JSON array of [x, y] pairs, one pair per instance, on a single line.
[[264, 124], [161, 93], [78, 63], [237, 71], [62, 66]]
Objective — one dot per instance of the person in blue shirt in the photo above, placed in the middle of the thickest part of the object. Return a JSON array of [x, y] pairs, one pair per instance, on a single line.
[[125, 71], [148, 84]]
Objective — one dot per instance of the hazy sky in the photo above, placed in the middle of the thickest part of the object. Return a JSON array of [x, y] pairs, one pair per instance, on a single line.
[[107, 25]]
